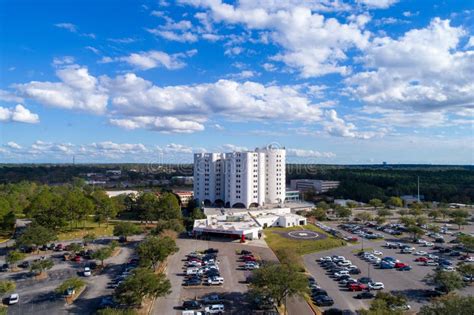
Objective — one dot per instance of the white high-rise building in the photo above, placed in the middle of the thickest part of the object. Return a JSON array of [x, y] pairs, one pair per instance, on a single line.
[[240, 179]]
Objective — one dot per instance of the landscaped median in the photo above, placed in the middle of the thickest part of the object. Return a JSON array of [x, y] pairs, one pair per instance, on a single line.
[[71, 289], [278, 240]]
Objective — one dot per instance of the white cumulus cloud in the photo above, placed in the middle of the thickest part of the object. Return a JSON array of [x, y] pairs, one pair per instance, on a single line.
[[19, 113]]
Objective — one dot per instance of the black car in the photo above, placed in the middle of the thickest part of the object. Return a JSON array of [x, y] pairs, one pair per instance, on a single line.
[[24, 264], [365, 280], [354, 271], [439, 240], [211, 251], [191, 305], [455, 254], [4, 268], [323, 300], [318, 292], [365, 295], [191, 282], [245, 252]]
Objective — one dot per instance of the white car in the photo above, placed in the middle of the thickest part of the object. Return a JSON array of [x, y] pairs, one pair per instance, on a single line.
[[470, 259], [376, 261], [338, 258], [87, 272], [341, 273], [14, 299], [431, 263], [404, 307], [377, 253], [215, 281], [429, 244], [326, 258], [214, 309], [421, 253], [376, 286], [421, 241], [251, 266], [345, 263], [433, 257], [448, 269]]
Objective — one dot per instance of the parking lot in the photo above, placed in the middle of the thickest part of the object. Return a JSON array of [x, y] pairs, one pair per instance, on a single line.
[[38, 296], [234, 289], [409, 283]]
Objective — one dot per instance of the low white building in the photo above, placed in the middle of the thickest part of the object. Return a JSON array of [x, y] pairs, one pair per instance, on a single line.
[[234, 223]]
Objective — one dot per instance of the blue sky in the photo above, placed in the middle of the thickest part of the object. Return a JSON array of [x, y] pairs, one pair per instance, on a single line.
[[334, 81]]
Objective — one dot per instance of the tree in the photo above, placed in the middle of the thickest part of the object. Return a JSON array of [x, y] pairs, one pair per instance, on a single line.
[[384, 304], [278, 281], [376, 203], [116, 311], [466, 269], [142, 283], [146, 206], [75, 247], [383, 212], [459, 217], [380, 220], [126, 229], [155, 249], [74, 283], [102, 254], [319, 214], [403, 212], [445, 212], [14, 256], [172, 224], [396, 202], [434, 214], [421, 220], [434, 228], [46, 208], [364, 216], [446, 281], [168, 207], [351, 204], [7, 286], [416, 231], [459, 221], [7, 222], [41, 266], [342, 212], [450, 304], [105, 207], [467, 241], [36, 235], [322, 205], [89, 238]]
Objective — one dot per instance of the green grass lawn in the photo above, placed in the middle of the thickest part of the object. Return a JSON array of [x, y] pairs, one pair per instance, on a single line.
[[301, 247], [90, 227]]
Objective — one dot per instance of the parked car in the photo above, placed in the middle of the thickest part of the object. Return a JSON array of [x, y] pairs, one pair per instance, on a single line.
[[215, 281], [24, 264], [191, 305], [214, 309], [421, 259], [357, 287], [13, 299], [192, 282], [245, 252], [405, 268], [364, 295], [211, 251], [399, 265], [431, 263], [212, 299], [376, 286], [323, 300], [87, 272]]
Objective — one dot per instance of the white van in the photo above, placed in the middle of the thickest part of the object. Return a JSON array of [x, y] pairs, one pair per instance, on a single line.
[[191, 313]]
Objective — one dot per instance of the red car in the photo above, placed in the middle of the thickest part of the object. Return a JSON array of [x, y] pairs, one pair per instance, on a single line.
[[77, 258], [357, 287], [400, 265], [249, 258], [421, 259], [195, 259]]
